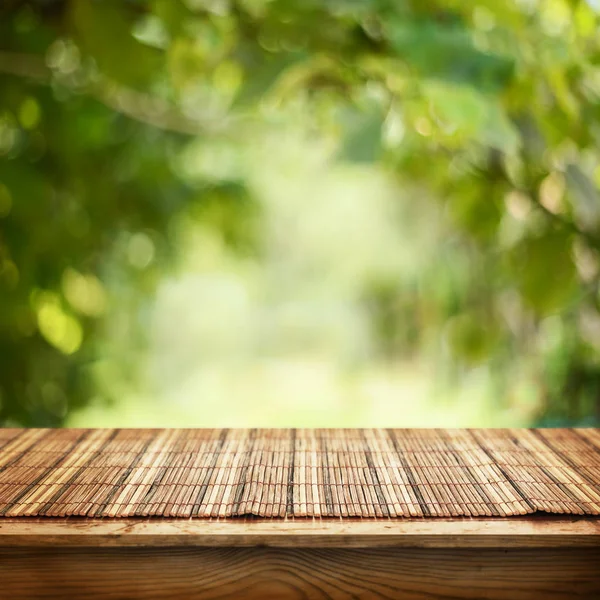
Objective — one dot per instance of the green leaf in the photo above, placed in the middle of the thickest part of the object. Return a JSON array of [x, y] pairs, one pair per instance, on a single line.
[[447, 52], [584, 194], [471, 337], [460, 109], [544, 271], [363, 142], [466, 114], [261, 79], [499, 132], [476, 210], [104, 30]]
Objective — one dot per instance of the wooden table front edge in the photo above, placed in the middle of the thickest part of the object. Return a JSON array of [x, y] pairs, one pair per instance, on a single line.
[[533, 531]]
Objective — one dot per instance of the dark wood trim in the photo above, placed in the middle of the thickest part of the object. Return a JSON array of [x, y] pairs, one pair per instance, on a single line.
[[262, 573]]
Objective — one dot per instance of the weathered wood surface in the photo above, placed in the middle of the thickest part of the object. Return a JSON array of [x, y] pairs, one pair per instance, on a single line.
[[515, 558], [515, 532], [289, 574]]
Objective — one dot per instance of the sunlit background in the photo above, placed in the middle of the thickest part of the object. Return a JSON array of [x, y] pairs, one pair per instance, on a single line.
[[299, 213]]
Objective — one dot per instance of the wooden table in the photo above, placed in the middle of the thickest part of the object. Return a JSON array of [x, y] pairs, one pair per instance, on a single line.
[[517, 558]]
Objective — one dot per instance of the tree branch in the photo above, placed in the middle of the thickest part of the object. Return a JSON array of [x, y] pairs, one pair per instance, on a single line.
[[531, 191], [131, 103]]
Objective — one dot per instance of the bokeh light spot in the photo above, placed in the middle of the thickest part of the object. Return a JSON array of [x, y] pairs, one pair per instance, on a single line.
[[140, 251], [58, 328]]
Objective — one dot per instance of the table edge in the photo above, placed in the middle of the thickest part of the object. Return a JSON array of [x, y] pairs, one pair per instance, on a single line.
[[506, 532]]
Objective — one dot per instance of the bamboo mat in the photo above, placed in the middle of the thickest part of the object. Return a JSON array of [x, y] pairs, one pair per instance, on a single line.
[[298, 472]]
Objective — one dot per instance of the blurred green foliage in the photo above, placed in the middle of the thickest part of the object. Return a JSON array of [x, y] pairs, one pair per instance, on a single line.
[[493, 108]]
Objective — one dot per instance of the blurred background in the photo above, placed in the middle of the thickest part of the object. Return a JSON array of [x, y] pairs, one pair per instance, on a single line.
[[299, 213]]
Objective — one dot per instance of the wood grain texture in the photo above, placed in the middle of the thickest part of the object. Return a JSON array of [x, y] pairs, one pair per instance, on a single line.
[[307, 574], [539, 531]]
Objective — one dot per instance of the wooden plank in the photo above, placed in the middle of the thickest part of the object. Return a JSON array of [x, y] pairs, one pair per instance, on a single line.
[[515, 532], [290, 574]]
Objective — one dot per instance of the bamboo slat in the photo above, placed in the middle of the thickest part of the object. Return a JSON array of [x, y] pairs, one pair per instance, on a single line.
[[278, 473]]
